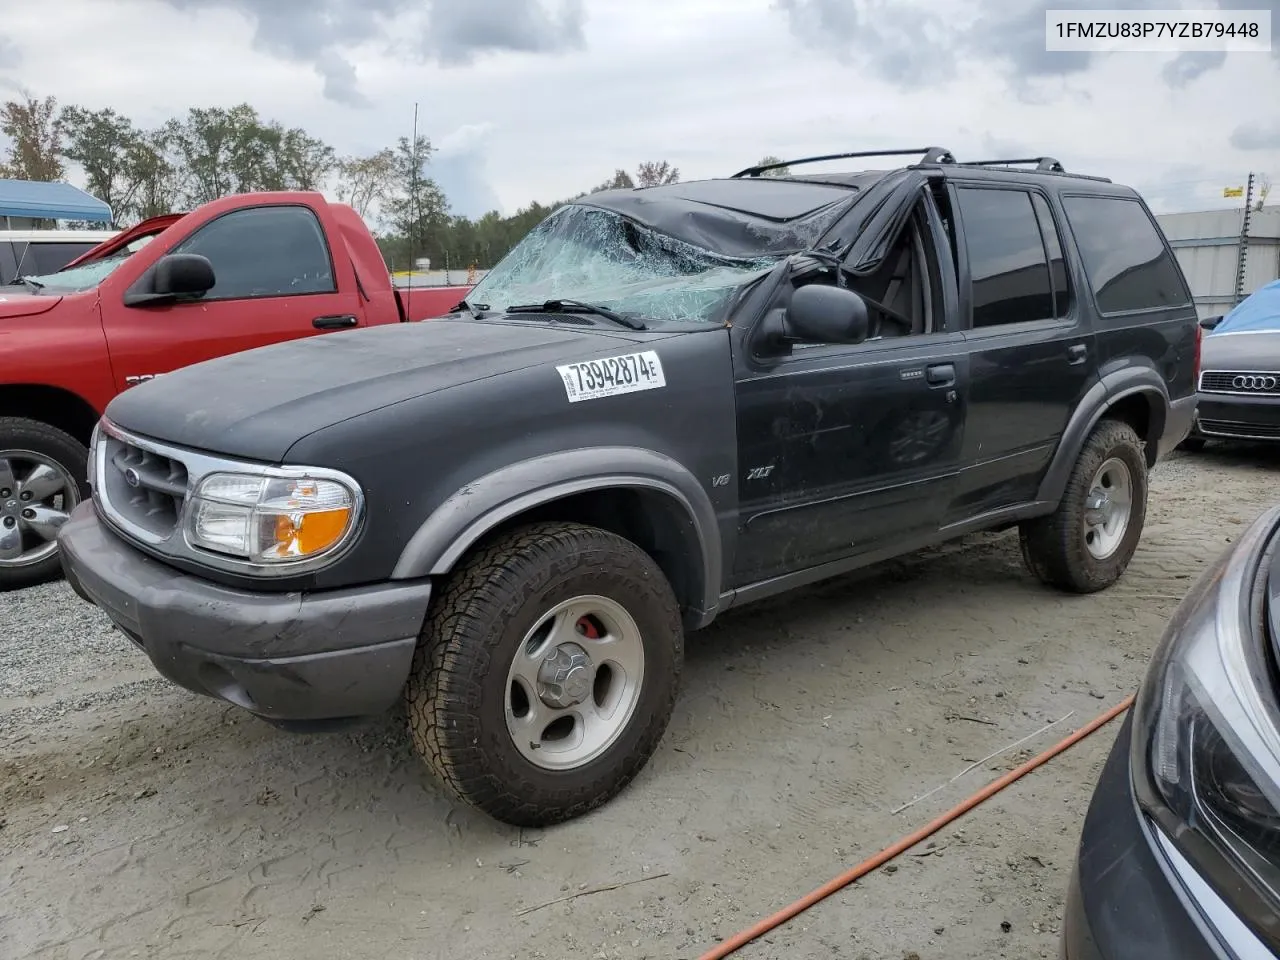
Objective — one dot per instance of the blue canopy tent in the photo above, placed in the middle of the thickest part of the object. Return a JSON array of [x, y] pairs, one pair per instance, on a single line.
[[1257, 312], [34, 200]]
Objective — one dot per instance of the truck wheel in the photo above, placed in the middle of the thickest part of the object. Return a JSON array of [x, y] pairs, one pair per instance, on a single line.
[[546, 672], [1087, 543], [42, 478]]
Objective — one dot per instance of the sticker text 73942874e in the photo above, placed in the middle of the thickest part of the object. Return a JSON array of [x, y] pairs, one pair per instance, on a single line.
[[610, 376]]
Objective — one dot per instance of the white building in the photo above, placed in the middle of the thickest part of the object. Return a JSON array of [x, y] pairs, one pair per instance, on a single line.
[[1207, 244]]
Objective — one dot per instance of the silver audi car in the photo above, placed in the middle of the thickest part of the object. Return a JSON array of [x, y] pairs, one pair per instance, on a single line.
[[1239, 395]]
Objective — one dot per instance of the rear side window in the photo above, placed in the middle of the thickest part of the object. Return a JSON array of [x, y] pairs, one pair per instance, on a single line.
[[1008, 267], [1058, 273], [1124, 255], [8, 261], [42, 258], [264, 252]]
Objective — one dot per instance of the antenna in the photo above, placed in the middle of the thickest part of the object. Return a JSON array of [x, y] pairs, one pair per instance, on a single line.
[[414, 212]]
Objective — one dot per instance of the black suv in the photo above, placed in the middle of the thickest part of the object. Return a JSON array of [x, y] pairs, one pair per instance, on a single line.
[[663, 403]]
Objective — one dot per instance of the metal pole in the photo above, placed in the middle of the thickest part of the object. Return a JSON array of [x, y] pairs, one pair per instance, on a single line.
[[1242, 256]]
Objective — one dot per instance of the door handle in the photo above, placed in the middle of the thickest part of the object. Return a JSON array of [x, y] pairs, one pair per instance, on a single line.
[[941, 374], [1077, 353], [335, 322]]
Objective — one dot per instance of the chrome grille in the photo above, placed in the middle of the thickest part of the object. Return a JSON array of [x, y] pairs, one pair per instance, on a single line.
[[1239, 431], [141, 489], [1241, 383]]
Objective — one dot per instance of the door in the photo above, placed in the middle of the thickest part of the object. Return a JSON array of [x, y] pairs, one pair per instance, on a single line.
[[276, 280], [1030, 344], [849, 449]]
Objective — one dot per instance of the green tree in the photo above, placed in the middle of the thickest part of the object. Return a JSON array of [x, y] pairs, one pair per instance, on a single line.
[[777, 171], [34, 129], [156, 178], [220, 151], [416, 208], [102, 142], [621, 180]]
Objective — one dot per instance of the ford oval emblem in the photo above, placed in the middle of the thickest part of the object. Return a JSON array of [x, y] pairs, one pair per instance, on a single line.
[[132, 478]]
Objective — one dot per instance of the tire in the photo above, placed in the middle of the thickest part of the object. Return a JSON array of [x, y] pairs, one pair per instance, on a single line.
[[1192, 444], [467, 687], [27, 445], [1058, 548]]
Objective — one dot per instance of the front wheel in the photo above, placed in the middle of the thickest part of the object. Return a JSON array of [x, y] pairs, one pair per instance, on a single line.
[[1086, 544], [42, 478], [546, 673]]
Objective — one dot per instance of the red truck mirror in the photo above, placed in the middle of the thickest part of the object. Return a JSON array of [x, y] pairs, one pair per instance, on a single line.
[[177, 276]]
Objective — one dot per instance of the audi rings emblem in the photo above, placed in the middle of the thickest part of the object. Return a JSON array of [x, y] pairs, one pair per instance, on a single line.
[[1256, 381]]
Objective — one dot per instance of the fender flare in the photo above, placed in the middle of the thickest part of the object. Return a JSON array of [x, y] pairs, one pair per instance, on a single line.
[[484, 503], [1093, 406]]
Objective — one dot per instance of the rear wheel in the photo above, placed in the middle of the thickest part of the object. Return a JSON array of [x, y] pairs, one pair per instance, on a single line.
[[42, 478], [546, 673], [1087, 543]]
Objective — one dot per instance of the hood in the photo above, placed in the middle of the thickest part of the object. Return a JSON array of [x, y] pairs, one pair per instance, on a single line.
[[258, 403], [20, 304], [1252, 350]]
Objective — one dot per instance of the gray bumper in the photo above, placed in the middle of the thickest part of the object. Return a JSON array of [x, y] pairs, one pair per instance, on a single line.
[[283, 656], [1182, 417]]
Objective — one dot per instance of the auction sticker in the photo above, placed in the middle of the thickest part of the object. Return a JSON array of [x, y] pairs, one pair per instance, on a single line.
[[611, 376]]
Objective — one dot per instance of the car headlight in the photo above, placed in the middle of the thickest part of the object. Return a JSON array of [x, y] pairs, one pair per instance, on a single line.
[[273, 520], [1205, 754]]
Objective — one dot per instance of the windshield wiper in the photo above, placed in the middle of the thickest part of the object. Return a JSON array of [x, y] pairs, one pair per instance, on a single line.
[[32, 281], [477, 310], [577, 306]]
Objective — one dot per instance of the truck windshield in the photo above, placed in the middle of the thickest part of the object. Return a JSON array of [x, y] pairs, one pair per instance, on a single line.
[[596, 256], [77, 279]]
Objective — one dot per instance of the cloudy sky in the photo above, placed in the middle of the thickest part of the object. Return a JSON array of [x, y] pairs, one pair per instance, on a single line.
[[539, 99]]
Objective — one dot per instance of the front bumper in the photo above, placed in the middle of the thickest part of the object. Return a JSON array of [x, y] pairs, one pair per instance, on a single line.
[[284, 656], [1179, 425], [1127, 900], [1224, 417]]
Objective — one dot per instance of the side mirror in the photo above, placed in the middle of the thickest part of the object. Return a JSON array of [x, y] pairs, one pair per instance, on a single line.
[[176, 276], [823, 314], [1209, 323], [183, 275]]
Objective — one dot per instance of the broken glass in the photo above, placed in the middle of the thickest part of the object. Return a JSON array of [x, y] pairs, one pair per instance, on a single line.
[[597, 256]]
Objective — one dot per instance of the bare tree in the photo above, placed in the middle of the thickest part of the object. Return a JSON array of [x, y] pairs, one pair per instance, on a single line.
[[656, 173], [367, 182]]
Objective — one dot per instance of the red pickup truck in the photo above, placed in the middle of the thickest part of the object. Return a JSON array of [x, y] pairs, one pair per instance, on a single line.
[[240, 272]]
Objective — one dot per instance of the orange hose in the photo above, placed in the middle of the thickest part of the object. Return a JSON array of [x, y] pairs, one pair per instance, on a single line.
[[740, 940]]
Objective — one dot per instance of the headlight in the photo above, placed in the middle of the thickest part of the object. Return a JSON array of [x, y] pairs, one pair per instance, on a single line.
[[1206, 738], [273, 520]]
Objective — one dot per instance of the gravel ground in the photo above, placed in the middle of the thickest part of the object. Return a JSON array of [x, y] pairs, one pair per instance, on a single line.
[[137, 820]]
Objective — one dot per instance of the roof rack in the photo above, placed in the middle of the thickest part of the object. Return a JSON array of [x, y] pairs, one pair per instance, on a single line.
[[1043, 164], [930, 155]]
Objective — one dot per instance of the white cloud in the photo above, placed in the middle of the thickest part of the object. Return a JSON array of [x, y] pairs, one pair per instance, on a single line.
[[710, 85]]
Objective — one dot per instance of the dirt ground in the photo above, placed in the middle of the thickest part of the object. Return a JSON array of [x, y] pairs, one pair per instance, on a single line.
[[137, 820]]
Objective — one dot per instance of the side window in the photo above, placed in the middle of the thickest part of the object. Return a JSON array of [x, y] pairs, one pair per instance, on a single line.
[[8, 261], [45, 258], [1058, 273], [1008, 267], [264, 252], [1124, 255]]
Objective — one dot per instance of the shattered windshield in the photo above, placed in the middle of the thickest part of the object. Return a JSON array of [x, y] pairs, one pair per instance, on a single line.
[[596, 256], [78, 279]]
